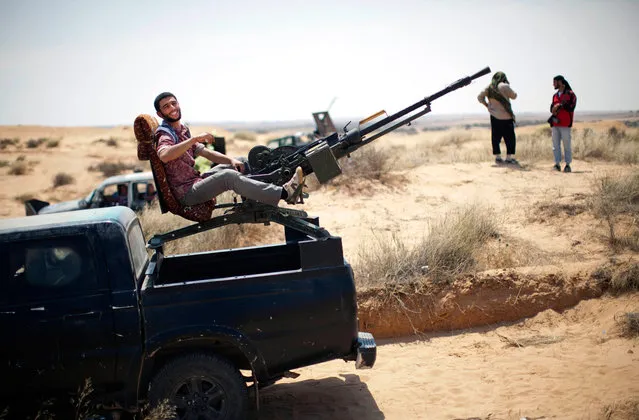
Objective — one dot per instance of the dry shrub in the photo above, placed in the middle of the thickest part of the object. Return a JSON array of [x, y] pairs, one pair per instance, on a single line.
[[510, 252], [82, 402], [62, 178], [618, 277], [162, 411], [367, 164], [53, 143], [112, 168], [628, 324], [616, 200], [625, 278], [621, 410], [33, 143], [18, 168], [448, 249], [4, 163]]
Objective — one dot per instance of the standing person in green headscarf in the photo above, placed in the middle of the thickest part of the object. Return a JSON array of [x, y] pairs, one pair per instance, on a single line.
[[502, 118]]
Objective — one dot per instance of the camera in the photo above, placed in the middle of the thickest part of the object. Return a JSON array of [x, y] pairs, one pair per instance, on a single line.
[[553, 120]]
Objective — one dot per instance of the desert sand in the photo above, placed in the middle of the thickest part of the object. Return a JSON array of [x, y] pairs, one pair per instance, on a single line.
[[534, 336]]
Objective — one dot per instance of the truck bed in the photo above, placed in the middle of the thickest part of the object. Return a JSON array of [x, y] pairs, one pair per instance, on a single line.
[[293, 303], [250, 261]]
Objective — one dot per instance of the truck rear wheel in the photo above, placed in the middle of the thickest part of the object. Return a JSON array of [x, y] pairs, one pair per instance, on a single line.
[[202, 387]]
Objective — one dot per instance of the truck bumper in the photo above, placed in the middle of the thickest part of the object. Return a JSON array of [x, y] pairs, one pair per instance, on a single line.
[[366, 351]]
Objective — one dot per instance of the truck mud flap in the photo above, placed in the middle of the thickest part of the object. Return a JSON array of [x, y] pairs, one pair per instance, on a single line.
[[366, 351]]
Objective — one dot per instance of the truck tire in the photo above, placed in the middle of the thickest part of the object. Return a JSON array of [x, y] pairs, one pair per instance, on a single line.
[[201, 386]]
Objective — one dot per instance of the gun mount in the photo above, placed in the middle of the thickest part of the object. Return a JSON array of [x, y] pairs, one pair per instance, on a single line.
[[320, 156]]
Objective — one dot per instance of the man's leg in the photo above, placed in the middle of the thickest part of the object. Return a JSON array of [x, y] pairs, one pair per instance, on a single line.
[[509, 137], [230, 180], [556, 144], [567, 139], [495, 130]]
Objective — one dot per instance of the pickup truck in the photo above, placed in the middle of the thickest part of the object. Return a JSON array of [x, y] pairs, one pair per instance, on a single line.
[[132, 190], [82, 296]]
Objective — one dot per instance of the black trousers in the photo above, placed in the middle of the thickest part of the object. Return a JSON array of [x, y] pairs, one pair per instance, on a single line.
[[505, 129]]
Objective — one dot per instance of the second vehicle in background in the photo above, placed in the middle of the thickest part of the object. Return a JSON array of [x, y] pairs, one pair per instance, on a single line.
[[131, 190]]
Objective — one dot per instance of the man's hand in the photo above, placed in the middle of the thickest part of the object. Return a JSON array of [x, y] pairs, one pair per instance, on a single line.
[[555, 108], [239, 166], [206, 138]]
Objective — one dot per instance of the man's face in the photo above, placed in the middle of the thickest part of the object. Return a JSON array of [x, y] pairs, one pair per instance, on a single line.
[[170, 109], [556, 84]]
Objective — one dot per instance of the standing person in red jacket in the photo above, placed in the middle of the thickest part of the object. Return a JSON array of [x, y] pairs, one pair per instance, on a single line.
[[563, 109]]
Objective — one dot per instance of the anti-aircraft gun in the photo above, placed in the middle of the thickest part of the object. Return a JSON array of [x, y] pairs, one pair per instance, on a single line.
[[321, 156]]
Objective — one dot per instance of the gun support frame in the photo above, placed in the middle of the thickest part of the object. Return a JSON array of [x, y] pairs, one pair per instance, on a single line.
[[246, 212]]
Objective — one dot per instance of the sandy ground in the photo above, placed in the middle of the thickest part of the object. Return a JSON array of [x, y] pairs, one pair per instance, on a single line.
[[568, 362], [571, 365]]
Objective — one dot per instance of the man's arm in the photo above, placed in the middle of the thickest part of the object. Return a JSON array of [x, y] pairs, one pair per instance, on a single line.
[[482, 97], [169, 153], [507, 91], [570, 103]]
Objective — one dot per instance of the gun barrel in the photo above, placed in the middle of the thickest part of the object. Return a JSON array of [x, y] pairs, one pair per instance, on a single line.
[[424, 102]]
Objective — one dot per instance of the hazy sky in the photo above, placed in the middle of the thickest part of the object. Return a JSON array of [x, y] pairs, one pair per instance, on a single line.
[[86, 62]]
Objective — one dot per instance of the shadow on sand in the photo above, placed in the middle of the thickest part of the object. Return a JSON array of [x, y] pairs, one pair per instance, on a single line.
[[345, 397]]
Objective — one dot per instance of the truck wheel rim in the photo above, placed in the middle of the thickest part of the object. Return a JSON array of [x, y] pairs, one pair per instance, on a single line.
[[199, 398]]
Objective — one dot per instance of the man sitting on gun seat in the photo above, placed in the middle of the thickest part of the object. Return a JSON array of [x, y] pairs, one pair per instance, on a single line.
[[177, 150]]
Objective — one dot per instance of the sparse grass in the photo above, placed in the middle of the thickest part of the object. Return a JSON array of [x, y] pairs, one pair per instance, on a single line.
[[18, 168], [616, 201], [4, 163], [8, 142], [550, 209], [62, 178], [23, 197], [245, 135], [53, 143], [111, 141], [448, 249], [112, 168]]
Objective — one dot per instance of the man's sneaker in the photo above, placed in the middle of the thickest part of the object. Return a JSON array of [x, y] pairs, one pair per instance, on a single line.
[[499, 160], [512, 161], [294, 186], [557, 167], [567, 168]]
